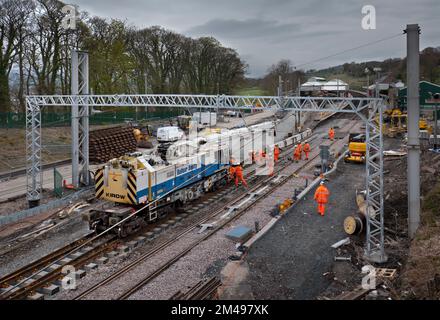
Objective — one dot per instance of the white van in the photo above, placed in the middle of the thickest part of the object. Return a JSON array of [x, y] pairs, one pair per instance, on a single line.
[[169, 134]]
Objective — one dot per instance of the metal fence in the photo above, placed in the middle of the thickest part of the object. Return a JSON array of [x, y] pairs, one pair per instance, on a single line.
[[55, 119]]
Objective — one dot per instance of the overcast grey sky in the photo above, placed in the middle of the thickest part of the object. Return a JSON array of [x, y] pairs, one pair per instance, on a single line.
[[265, 31]]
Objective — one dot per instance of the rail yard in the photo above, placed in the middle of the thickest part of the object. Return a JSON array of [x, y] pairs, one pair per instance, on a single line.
[[142, 164]]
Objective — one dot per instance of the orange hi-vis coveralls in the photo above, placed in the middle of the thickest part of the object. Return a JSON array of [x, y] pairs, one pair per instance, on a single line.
[[297, 153], [276, 153], [306, 150], [231, 173], [239, 176], [331, 134], [321, 197]]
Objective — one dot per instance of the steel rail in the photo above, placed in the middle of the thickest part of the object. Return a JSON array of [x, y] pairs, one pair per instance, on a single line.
[[237, 214]]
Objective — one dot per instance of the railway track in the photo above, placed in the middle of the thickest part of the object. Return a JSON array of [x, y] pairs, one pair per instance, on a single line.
[[40, 279], [259, 180], [203, 290], [36, 276], [270, 188], [39, 274], [260, 190]]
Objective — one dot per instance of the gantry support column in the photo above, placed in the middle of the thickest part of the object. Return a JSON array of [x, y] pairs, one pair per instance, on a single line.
[[80, 119], [34, 172], [412, 31], [375, 250]]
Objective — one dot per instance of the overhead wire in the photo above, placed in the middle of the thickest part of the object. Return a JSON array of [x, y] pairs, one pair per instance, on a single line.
[[348, 50]]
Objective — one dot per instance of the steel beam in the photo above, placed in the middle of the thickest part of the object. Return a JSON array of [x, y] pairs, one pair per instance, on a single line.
[[342, 104], [34, 173], [374, 249], [80, 118], [413, 169]]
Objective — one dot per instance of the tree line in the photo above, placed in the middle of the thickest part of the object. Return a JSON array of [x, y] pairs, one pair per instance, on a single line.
[[35, 56], [395, 67]]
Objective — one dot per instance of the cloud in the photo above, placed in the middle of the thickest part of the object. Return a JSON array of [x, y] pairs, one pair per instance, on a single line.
[[252, 28], [265, 31]]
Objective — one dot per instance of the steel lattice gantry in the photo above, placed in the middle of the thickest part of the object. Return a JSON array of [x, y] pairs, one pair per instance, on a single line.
[[80, 118], [365, 108]]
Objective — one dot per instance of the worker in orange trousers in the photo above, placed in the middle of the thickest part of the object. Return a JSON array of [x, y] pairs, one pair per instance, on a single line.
[[231, 172], [239, 176], [297, 152], [306, 150], [276, 153], [321, 197], [331, 134]]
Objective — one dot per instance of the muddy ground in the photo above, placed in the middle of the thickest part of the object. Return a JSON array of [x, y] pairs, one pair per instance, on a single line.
[[294, 259]]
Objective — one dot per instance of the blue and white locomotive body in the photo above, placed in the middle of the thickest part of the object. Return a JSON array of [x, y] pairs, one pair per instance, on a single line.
[[189, 169]]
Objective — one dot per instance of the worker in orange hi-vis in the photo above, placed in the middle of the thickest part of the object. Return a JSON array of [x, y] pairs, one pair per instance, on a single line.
[[321, 197], [331, 134], [231, 173], [297, 153], [239, 176], [306, 150], [276, 153]]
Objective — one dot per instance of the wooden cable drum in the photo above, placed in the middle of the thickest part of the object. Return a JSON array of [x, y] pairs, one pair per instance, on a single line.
[[353, 225]]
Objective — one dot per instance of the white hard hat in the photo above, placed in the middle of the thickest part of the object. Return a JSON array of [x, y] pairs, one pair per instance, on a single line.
[[321, 183]]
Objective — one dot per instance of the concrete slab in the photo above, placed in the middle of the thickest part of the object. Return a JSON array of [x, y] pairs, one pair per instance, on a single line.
[[9, 289], [41, 274], [36, 296], [149, 235], [28, 282], [164, 226], [102, 260], [80, 273], [132, 244], [140, 239], [112, 254], [49, 290], [86, 249], [66, 260], [239, 233], [52, 267], [75, 255], [157, 230], [91, 266], [123, 248]]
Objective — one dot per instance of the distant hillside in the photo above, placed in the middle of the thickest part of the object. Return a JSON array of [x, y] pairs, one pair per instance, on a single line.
[[354, 73]]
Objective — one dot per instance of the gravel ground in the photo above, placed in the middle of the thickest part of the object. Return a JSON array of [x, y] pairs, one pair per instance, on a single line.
[[206, 260], [36, 247], [290, 261]]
